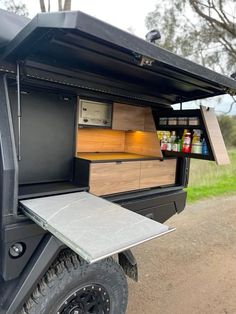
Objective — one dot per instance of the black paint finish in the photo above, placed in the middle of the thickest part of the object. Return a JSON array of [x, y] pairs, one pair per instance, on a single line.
[[74, 40], [14, 293], [8, 158], [47, 136], [158, 207], [27, 233]]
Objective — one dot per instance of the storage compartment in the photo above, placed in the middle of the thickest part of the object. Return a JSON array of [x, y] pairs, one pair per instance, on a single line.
[[113, 161], [130, 117], [192, 134], [114, 177], [109, 173], [157, 173], [126, 117]]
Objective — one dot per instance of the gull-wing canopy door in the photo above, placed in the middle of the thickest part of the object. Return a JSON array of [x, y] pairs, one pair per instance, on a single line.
[[117, 62]]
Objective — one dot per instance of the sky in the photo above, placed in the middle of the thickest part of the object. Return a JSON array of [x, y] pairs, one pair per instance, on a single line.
[[123, 13]]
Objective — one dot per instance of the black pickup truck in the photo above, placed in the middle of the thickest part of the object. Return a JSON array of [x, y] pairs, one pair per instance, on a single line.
[[93, 158]]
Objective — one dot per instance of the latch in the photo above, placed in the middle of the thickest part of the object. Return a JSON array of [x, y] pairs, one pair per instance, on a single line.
[[146, 61], [143, 60]]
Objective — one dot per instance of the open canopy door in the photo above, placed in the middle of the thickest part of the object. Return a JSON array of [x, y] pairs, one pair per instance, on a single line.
[[74, 44], [91, 226]]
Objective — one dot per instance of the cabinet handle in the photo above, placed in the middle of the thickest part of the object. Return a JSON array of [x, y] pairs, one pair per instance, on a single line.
[[118, 162]]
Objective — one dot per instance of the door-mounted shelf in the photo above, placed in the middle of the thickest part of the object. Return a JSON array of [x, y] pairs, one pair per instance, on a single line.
[[204, 120], [167, 153]]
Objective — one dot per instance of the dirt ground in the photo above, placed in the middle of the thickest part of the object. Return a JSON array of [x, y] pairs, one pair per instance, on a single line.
[[192, 270]]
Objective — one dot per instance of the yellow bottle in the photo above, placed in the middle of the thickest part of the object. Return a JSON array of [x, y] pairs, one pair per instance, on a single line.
[[182, 140]]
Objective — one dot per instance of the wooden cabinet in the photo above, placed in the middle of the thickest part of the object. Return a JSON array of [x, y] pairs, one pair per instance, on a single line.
[[134, 172], [149, 123], [127, 117], [134, 118], [114, 177], [157, 173]]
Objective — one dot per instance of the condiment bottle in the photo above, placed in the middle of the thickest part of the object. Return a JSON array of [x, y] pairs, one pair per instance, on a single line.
[[172, 138], [204, 147], [182, 139], [177, 145], [164, 143], [196, 143], [187, 143], [169, 144]]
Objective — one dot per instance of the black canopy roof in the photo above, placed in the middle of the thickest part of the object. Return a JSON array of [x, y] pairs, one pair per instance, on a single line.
[[78, 42], [10, 25]]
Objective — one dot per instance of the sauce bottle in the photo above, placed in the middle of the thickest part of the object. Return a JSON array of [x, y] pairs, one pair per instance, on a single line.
[[204, 147], [187, 143], [182, 139], [196, 143], [164, 143], [177, 145]]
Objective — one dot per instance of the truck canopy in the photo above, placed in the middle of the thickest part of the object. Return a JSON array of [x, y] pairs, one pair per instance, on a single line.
[[10, 25], [122, 64]]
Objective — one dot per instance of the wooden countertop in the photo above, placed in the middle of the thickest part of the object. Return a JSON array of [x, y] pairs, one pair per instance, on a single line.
[[105, 157]]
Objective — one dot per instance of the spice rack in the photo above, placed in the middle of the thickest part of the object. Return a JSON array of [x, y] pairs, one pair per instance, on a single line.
[[178, 121]]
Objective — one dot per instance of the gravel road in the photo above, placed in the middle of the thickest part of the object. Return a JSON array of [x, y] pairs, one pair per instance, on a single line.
[[192, 270]]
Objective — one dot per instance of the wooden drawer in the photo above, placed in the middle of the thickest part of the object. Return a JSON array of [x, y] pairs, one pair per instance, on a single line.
[[114, 177], [157, 173]]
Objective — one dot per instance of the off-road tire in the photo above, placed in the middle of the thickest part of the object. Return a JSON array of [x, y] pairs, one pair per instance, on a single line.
[[68, 274]]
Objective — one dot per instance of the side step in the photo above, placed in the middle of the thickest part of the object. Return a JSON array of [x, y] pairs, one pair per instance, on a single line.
[[92, 227]]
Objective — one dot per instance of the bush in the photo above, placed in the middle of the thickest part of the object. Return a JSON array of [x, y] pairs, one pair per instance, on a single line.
[[228, 129]]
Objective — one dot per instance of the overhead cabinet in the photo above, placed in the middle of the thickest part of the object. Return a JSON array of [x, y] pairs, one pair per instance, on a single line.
[[135, 118], [127, 117]]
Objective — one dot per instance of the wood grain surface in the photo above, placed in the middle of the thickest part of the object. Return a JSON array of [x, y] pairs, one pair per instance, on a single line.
[[143, 143], [215, 136], [100, 140], [126, 117], [157, 173], [112, 177]]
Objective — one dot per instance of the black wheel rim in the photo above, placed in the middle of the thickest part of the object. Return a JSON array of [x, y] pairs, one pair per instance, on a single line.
[[92, 298]]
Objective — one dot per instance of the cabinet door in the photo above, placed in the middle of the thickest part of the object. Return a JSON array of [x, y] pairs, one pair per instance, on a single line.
[[114, 177], [215, 137], [126, 117], [157, 173], [149, 124]]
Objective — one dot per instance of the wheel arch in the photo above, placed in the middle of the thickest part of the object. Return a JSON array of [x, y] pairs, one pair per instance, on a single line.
[[47, 252]]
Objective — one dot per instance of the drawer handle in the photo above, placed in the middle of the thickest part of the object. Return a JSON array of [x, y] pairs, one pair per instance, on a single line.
[[118, 162]]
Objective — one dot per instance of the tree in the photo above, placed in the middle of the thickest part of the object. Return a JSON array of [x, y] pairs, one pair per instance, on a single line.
[[18, 8], [228, 129], [62, 6], [202, 30]]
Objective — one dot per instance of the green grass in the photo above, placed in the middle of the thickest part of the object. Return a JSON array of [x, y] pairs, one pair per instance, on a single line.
[[207, 179]]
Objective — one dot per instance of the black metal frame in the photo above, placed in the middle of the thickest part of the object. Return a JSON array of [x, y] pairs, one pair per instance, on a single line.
[[8, 158]]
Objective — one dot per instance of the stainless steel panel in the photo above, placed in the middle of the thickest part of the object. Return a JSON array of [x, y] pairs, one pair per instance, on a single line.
[[95, 113], [91, 226]]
